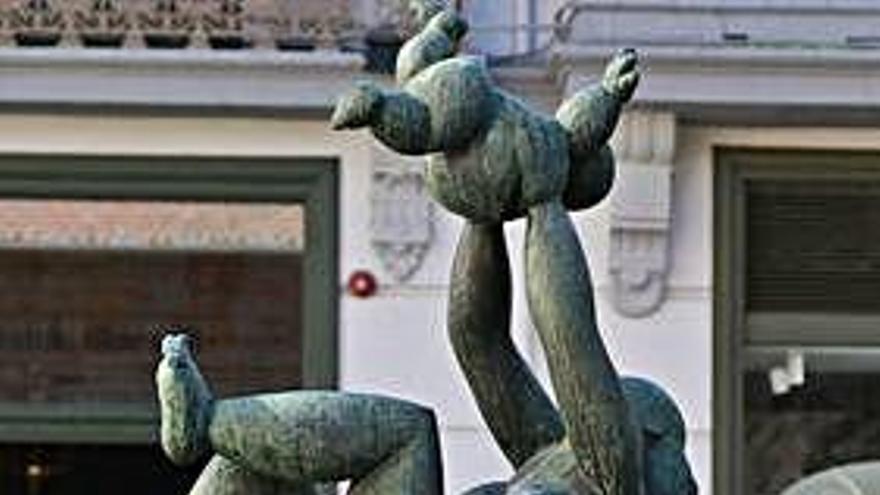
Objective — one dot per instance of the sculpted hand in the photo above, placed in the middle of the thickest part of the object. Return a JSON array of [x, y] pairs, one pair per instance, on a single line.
[[622, 75]]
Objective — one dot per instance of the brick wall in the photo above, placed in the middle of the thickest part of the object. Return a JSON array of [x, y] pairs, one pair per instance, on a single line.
[[80, 325]]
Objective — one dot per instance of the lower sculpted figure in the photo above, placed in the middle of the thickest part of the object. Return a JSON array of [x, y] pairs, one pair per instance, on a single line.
[[289, 443]]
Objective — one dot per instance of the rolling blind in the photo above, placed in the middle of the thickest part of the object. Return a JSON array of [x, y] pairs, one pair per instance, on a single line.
[[813, 246]]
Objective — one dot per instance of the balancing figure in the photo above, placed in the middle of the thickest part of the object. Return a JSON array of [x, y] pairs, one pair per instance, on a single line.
[[491, 159]]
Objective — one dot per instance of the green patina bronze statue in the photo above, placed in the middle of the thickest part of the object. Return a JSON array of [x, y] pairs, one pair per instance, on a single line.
[[490, 159]]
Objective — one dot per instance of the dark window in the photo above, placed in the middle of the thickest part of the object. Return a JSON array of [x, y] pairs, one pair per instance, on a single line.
[[95, 252], [798, 315]]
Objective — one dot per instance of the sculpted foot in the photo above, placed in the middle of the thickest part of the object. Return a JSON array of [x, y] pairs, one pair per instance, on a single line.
[[185, 402], [621, 75]]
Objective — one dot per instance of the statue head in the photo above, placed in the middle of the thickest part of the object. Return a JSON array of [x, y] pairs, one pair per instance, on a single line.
[[176, 350], [423, 11], [185, 402], [358, 108]]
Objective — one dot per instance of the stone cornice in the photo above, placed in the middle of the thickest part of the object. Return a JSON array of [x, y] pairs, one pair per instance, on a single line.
[[745, 57], [246, 80], [751, 61], [845, 23], [253, 79], [704, 82]]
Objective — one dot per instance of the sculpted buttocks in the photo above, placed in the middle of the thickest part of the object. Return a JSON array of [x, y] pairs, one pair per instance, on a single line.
[[490, 157]]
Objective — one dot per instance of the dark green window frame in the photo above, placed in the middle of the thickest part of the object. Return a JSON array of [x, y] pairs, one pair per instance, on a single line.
[[311, 182], [733, 169]]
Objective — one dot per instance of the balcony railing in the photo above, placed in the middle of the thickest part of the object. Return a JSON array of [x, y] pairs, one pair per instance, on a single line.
[[216, 24]]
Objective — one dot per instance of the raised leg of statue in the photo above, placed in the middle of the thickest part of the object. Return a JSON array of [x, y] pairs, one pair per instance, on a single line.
[[560, 297], [519, 413]]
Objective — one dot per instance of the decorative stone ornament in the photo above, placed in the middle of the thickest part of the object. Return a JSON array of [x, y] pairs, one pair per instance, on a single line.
[[401, 214], [641, 214]]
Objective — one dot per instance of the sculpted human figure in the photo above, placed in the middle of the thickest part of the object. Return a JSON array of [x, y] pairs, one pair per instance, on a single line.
[[289, 443], [491, 159]]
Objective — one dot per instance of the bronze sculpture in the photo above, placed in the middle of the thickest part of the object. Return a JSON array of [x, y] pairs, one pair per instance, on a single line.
[[490, 159]]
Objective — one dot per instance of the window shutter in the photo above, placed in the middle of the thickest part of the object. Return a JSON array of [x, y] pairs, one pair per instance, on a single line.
[[813, 246]]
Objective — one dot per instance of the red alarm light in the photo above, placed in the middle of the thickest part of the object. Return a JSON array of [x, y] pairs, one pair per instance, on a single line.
[[362, 284]]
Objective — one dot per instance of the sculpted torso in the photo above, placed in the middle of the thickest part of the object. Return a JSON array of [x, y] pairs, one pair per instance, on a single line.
[[511, 166]]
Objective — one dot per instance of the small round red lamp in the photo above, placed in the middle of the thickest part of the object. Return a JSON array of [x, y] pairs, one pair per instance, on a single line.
[[362, 284]]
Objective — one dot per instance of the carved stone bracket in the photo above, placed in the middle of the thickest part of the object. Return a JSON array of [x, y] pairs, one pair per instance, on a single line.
[[402, 214], [641, 215]]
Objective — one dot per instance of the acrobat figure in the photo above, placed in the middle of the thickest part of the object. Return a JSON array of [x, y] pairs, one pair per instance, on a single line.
[[490, 160]]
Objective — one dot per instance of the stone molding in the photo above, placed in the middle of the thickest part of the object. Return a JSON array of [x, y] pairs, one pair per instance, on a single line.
[[641, 215], [819, 57], [161, 79]]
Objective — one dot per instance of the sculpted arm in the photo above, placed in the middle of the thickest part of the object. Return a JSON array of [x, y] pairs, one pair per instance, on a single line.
[[401, 121]]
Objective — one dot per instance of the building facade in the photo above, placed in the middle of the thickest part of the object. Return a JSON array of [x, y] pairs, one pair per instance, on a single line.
[[734, 261]]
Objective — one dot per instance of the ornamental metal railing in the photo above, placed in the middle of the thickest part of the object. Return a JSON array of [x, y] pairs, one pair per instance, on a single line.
[[230, 24], [217, 24]]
